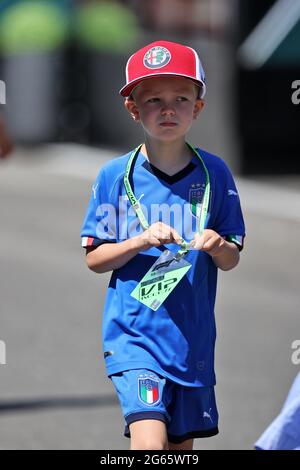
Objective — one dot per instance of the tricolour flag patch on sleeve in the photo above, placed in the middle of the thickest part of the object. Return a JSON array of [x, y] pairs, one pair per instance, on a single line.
[[237, 239], [87, 241]]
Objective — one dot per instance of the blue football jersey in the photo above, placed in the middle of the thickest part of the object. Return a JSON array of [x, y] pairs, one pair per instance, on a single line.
[[178, 339]]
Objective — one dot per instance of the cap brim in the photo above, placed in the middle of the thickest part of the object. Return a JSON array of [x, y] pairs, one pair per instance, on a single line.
[[127, 89]]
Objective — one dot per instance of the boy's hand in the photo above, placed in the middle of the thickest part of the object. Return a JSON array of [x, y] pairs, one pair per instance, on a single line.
[[210, 241], [158, 234]]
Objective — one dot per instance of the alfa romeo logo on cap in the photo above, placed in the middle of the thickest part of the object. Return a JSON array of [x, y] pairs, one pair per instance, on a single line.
[[157, 57]]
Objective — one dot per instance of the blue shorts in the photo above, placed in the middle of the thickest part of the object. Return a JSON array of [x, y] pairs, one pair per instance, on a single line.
[[188, 412]]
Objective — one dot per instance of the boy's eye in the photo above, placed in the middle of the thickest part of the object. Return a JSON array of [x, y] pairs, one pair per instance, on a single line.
[[157, 100]]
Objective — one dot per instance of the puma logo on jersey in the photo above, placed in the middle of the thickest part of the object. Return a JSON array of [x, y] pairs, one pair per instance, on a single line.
[[231, 192]]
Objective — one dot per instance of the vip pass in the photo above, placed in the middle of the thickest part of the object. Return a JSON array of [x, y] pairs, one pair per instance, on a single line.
[[160, 280], [169, 268]]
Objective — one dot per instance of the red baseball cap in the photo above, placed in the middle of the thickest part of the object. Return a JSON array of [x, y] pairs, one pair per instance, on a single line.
[[163, 58]]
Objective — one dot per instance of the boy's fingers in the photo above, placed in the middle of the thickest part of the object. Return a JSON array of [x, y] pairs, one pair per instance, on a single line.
[[164, 234], [177, 238], [198, 242], [168, 234]]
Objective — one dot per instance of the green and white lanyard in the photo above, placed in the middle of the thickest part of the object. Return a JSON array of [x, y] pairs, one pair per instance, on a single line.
[[201, 214], [169, 268]]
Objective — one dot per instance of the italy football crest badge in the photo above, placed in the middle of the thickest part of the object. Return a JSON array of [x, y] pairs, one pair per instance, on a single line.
[[148, 389], [196, 194]]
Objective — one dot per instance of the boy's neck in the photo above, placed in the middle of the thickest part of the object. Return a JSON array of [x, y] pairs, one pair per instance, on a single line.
[[169, 157]]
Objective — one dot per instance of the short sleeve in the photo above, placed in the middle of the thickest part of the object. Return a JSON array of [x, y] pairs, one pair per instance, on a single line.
[[100, 221], [228, 221]]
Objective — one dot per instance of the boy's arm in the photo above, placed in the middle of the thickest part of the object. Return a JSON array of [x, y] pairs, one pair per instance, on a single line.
[[109, 256], [225, 254], [228, 257]]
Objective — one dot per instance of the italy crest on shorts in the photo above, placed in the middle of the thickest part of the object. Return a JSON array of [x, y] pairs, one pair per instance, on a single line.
[[148, 387], [157, 57]]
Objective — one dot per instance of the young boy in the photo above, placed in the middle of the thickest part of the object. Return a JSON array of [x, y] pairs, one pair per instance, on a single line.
[[159, 351]]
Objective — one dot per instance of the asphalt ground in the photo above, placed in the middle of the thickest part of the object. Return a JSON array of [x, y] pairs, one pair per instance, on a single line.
[[54, 393]]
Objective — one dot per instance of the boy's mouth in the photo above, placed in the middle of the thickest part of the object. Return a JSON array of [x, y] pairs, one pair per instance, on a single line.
[[168, 124]]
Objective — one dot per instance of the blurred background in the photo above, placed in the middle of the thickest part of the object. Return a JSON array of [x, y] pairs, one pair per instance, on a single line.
[[62, 63]]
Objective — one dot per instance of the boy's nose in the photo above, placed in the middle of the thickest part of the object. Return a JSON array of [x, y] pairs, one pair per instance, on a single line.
[[167, 110]]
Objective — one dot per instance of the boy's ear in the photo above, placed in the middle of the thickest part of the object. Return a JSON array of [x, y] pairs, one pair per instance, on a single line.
[[132, 108], [198, 107]]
